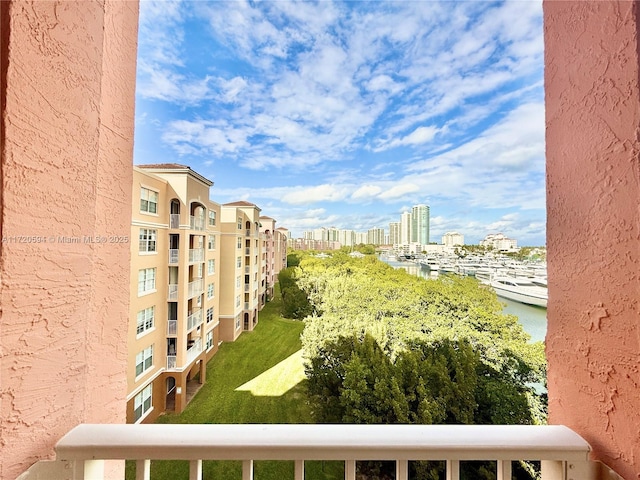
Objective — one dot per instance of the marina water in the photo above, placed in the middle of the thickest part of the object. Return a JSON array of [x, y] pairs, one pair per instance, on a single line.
[[532, 319]]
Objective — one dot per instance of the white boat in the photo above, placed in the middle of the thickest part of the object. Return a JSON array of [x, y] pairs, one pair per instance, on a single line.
[[430, 263], [520, 289]]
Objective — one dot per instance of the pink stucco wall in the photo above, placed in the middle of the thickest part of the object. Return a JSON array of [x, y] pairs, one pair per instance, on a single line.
[[593, 231], [68, 80]]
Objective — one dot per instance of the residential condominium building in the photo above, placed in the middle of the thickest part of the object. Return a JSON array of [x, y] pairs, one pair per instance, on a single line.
[[451, 239], [174, 304], [498, 241], [241, 268], [420, 224], [274, 254]]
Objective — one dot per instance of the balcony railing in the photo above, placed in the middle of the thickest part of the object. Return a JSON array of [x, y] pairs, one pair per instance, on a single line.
[[174, 256], [172, 362], [194, 350], [248, 233], [172, 328], [173, 292], [196, 255], [81, 452], [195, 288], [174, 220], [246, 305], [194, 320], [196, 223], [247, 269]]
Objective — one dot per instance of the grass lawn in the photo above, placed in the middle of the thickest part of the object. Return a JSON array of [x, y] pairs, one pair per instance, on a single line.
[[259, 378]]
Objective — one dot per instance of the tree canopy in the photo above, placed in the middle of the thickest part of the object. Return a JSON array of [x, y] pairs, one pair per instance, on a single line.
[[383, 346]]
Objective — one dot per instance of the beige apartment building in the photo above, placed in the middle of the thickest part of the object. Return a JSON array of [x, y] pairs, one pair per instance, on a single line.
[[174, 323], [274, 254], [242, 272]]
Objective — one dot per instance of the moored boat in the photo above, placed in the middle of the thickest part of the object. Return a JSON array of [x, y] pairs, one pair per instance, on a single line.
[[520, 289]]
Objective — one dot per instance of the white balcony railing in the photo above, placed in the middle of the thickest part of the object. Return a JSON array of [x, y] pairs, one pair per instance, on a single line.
[[195, 288], [247, 269], [196, 223], [172, 327], [172, 362], [196, 255], [174, 256], [194, 350], [81, 452], [173, 292], [174, 220], [194, 320]]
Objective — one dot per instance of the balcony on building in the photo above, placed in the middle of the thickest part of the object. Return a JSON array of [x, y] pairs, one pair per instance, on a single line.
[[196, 255], [195, 288]]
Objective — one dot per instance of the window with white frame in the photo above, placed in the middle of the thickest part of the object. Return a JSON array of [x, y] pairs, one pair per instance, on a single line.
[[239, 223], [199, 270], [148, 200], [209, 339], [238, 282], [211, 242], [210, 289], [239, 242], [142, 402], [146, 320], [146, 280], [211, 266], [212, 217], [239, 262], [210, 315], [147, 241], [238, 322], [144, 360], [238, 301]]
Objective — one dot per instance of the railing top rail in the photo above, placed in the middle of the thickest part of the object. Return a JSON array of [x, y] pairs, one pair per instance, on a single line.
[[322, 442]]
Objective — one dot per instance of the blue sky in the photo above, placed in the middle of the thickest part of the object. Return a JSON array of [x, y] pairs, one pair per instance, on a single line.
[[346, 114]]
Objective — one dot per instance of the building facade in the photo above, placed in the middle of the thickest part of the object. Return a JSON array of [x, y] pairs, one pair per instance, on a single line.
[[174, 304], [242, 268], [452, 239], [420, 224]]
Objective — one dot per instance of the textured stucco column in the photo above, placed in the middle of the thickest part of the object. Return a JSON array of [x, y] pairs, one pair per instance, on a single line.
[[67, 78], [593, 233]]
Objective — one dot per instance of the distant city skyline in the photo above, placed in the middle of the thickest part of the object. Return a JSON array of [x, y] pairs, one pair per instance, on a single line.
[[348, 113]]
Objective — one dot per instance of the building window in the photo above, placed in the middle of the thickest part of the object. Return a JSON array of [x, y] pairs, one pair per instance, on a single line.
[[239, 223], [212, 218], [237, 322], [142, 402], [209, 339], [148, 200], [238, 301], [239, 242], [210, 288], [210, 315], [211, 243], [146, 280], [144, 360], [239, 262], [147, 240], [211, 267], [146, 320], [199, 270]]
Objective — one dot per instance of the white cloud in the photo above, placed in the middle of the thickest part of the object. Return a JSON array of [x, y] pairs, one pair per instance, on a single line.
[[399, 190], [320, 193], [366, 192]]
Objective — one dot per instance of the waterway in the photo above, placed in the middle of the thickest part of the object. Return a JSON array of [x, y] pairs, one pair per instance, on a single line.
[[532, 319]]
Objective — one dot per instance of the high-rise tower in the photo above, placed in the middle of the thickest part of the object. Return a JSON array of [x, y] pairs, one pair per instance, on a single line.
[[420, 224]]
